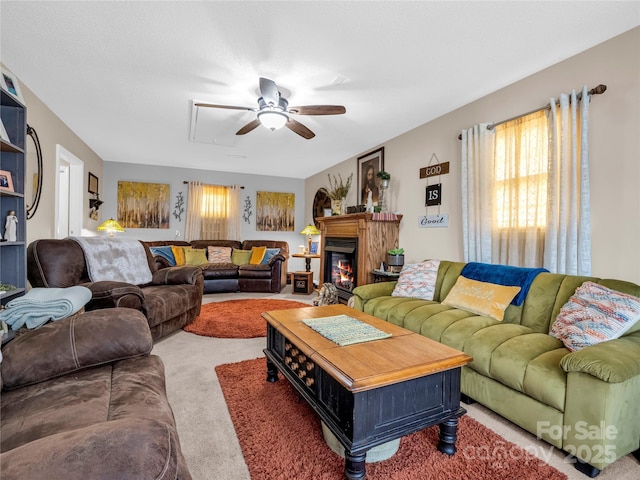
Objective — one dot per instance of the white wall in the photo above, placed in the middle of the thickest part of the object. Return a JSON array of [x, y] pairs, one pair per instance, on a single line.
[[614, 157]]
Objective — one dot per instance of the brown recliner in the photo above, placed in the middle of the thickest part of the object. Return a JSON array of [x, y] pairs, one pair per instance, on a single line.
[[172, 299], [83, 399]]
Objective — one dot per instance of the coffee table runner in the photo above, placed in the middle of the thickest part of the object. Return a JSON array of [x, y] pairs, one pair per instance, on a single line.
[[345, 330]]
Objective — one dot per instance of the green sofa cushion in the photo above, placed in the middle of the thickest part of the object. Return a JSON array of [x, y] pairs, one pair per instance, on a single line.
[[441, 321], [481, 344], [460, 332], [545, 380], [510, 359]]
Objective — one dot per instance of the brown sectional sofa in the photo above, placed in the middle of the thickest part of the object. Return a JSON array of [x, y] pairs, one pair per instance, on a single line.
[[83, 399], [172, 299], [228, 277]]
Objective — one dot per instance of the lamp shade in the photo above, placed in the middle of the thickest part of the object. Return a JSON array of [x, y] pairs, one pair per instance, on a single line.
[[272, 119], [310, 230], [111, 226]]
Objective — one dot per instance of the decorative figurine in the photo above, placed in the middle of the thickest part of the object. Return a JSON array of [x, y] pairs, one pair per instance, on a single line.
[[11, 227]]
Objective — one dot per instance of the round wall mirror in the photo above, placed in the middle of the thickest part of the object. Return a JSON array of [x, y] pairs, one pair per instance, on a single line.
[[320, 202], [33, 176]]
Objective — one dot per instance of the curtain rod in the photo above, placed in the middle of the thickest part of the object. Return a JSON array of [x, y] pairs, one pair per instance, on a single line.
[[594, 91], [241, 186]]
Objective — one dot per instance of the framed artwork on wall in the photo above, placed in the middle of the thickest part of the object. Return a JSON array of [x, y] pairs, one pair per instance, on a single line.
[[143, 205], [6, 181], [368, 167], [275, 211], [93, 184]]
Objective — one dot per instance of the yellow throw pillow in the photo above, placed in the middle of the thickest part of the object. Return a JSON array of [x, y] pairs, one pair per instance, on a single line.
[[240, 257], [482, 298], [257, 254], [178, 253], [195, 256]]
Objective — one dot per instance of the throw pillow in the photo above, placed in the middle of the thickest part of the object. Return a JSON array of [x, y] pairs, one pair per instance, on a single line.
[[483, 298], [417, 280], [269, 254], [178, 254], [595, 314], [240, 257], [195, 256], [219, 254], [257, 254], [164, 252]]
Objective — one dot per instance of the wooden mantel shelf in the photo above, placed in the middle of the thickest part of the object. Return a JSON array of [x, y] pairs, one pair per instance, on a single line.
[[374, 239]]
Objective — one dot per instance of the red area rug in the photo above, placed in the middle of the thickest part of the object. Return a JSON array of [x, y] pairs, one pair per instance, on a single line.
[[237, 318], [281, 438]]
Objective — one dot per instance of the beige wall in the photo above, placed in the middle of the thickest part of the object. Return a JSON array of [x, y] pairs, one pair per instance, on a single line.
[[51, 132], [614, 157]]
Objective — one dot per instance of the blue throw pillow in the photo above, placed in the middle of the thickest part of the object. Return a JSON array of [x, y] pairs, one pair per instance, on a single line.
[[164, 252], [268, 255]]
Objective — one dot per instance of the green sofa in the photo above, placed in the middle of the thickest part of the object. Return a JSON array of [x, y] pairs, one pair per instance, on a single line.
[[586, 402]]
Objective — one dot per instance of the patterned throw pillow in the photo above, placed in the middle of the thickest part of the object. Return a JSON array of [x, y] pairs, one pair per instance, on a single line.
[[219, 254], [195, 256], [257, 254], [595, 314], [417, 280], [164, 252], [240, 257], [269, 254], [482, 298]]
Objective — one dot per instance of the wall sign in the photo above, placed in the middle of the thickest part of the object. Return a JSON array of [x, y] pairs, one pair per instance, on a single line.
[[434, 170], [433, 195], [434, 221]]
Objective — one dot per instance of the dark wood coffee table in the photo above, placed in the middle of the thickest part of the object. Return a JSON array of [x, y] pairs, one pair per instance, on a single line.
[[367, 393]]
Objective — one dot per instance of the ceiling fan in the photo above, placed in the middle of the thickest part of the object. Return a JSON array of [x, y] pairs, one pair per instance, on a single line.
[[273, 111]]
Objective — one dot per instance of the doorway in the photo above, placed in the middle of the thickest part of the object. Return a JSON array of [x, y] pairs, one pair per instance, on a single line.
[[69, 182]]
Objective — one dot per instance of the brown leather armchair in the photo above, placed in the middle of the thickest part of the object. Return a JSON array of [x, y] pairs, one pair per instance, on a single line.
[[172, 299]]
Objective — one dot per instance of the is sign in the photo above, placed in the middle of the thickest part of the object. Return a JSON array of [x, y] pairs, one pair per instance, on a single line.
[[434, 195]]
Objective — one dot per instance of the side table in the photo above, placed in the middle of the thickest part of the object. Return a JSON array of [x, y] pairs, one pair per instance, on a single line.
[[382, 276], [307, 259]]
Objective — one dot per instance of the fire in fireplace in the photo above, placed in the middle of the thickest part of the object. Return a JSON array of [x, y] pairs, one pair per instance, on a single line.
[[340, 265]]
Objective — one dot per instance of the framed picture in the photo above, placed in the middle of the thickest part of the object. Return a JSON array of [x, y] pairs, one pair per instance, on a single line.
[[368, 167], [314, 248], [275, 211], [328, 212], [6, 182], [3, 133], [93, 184], [10, 83], [143, 205]]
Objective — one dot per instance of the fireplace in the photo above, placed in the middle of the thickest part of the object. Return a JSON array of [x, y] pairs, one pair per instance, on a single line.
[[341, 265]]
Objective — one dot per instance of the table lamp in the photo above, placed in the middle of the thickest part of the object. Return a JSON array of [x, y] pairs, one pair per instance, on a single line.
[[111, 226], [310, 230]]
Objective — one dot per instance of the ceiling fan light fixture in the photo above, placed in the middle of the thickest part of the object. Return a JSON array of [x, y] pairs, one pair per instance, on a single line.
[[273, 119]]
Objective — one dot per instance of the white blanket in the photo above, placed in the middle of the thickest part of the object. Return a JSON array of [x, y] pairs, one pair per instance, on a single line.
[[115, 259], [39, 305]]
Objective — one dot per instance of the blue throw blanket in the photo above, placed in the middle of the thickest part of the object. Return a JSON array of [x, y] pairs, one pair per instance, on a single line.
[[503, 275], [39, 305]]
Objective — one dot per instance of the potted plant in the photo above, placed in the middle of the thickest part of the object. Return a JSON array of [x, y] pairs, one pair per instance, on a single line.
[[384, 178], [395, 259], [338, 191]]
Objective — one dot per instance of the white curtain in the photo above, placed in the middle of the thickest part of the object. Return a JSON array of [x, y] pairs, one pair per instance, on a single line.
[[568, 235], [235, 228], [477, 192], [193, 225]]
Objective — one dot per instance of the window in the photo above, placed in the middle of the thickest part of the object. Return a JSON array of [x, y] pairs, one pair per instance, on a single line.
[[520, 173], [214, 211]]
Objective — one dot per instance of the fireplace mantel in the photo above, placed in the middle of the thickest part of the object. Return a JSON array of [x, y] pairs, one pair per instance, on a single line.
[[374, 239]]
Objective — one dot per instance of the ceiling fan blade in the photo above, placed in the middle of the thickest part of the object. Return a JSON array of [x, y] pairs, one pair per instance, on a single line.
[[299, 128], [318, 110], [248, 127], [269, 91], [229, 107]]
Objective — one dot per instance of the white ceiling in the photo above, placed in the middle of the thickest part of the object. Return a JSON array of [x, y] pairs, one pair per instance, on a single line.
[[123, 75]]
